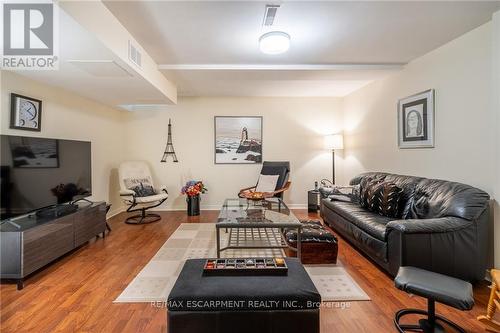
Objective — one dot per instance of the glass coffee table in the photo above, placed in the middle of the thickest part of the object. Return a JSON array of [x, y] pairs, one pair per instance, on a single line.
[[256, 225]]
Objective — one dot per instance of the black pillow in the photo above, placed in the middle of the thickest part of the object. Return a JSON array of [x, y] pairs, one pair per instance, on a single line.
[[383, 198], [325, 191], [366, 191], [142, 190], [345, 193]]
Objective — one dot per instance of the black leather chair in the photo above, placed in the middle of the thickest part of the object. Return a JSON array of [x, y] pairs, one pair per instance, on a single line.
[[436, 288], [273, 168]]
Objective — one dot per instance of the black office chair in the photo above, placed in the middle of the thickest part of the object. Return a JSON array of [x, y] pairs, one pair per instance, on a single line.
[[272, 168]]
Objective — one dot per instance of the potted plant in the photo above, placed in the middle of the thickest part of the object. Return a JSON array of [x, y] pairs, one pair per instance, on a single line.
[[192, 190]]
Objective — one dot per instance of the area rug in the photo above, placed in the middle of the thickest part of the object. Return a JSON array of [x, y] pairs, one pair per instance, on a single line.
[[197, 240]]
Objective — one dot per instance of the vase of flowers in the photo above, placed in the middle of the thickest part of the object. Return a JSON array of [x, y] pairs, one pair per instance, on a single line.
[[192, 190]]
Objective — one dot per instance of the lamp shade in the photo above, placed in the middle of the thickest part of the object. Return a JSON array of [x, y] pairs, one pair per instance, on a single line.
[[334, 141]]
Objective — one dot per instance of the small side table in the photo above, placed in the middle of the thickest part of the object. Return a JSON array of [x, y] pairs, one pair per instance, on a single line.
[[313, 200]]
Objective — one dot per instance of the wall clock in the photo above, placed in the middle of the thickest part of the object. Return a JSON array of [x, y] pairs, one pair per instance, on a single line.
[[25, 113]]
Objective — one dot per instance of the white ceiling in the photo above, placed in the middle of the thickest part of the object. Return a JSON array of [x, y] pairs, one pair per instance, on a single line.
[[272, 82], [211, 48], [227, 32], [89, 69]]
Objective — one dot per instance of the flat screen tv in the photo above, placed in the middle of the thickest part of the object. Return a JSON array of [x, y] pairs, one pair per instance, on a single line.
[[40, 172]]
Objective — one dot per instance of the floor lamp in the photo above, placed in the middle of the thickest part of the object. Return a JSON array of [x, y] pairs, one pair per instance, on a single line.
[[334, 142]]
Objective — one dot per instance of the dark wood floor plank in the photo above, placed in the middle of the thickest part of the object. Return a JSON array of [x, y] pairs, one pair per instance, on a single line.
[[76, 293]]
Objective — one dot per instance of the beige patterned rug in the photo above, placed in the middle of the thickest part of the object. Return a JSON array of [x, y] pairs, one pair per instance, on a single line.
[[197, 240]]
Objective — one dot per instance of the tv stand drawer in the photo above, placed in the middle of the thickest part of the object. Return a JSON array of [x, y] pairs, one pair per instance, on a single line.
[[48, 242], [89, 223]]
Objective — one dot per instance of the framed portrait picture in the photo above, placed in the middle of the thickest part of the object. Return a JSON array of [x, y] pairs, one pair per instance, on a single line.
[[238, 140], [25, 113], [416, 120], [32, 152]]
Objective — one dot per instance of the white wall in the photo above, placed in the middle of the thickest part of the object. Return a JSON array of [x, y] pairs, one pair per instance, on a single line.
[[496, 110], [292, 130], [460, 73], [68, 116]]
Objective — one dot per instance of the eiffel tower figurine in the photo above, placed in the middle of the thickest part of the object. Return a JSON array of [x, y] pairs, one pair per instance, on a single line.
[[169, 149]]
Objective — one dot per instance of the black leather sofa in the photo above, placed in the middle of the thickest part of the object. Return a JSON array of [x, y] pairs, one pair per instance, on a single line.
[[443, 229]]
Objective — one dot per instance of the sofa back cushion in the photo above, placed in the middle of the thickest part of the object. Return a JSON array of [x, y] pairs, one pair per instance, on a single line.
[[430, 198], [439, 198]]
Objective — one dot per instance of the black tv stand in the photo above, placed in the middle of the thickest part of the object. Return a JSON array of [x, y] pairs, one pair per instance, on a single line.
[[82, 199], [31, 242], [57, 210]]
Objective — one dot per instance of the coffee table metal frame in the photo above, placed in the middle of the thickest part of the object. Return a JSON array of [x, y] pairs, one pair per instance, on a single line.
[[268, 233]]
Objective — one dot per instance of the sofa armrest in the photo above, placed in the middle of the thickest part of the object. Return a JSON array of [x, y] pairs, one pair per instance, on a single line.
[[423, 226], [448, 245]]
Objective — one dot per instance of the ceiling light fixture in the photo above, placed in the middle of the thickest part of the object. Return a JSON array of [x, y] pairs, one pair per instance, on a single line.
[[274, 42]]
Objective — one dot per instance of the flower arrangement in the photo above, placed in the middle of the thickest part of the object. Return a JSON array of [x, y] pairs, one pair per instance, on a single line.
[[193, 188]]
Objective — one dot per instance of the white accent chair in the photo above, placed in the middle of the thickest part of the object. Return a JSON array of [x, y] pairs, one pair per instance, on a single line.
[[138, 171]]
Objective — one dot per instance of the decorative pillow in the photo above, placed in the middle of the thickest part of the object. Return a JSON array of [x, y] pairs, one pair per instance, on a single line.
[[325, 191], [143, 190], [345, 193], [143, 187], [366, 191], [267, 183], [389, 196], [383, 198], [130, 183]]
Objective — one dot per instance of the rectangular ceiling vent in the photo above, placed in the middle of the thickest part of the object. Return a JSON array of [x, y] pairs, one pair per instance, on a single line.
[[134, 54], [269, 15]]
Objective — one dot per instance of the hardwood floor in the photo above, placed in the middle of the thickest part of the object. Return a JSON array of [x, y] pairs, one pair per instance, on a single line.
[[76, 293]]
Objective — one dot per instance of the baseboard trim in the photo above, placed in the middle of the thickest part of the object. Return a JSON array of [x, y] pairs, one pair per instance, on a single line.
[[114, 212]]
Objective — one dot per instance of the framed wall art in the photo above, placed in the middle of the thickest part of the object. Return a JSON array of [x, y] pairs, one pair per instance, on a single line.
[[238, 140], [416, 120]]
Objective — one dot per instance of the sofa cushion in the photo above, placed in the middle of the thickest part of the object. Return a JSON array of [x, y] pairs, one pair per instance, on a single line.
[[375, 248], [439, 198], [371, 223]]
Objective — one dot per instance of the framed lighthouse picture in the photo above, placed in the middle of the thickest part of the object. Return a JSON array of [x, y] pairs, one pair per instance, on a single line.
[[25, 113], [238, 140]]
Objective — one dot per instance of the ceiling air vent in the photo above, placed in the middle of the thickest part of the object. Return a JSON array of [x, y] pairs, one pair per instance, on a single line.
[[270, 14], [134, 55]]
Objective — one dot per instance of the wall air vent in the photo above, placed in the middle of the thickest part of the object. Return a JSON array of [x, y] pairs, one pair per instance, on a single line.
[[134, 54], [269, 15]]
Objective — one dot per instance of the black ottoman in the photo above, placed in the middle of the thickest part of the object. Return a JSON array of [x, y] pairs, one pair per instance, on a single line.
[[318, 245], [436, 288], [228, 304]]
